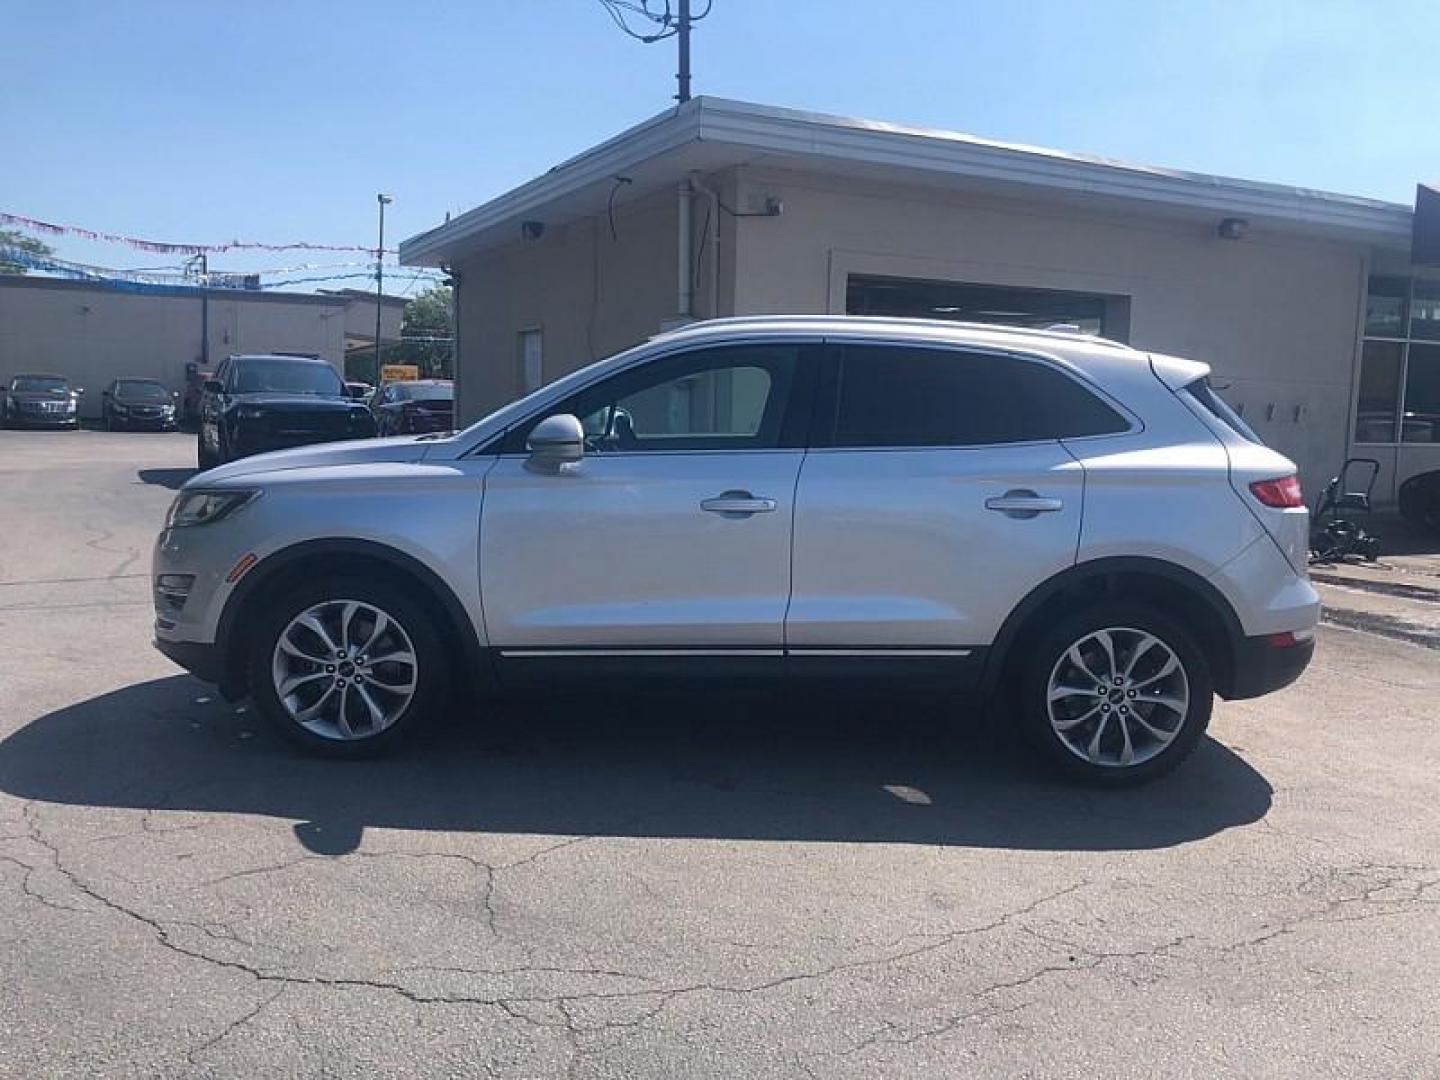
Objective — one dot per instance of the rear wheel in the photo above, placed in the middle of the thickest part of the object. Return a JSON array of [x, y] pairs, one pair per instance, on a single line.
[[1115, 695], [346, 667]]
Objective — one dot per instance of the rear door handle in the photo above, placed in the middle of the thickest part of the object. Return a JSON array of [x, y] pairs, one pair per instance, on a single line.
[[1023, 503], [738, 503]]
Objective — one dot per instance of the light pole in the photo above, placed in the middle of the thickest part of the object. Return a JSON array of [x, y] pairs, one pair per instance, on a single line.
[[383, 200]]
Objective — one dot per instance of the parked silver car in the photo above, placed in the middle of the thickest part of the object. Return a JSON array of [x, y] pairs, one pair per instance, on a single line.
[[1083, 531]]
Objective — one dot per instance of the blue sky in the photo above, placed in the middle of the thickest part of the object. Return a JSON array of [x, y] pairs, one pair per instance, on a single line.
[[203, 120]]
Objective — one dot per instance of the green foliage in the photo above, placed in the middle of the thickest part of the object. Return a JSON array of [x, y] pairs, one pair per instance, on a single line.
[[427, 315], [12, 239]]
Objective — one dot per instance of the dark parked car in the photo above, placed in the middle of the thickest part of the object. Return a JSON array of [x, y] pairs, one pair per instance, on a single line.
[[259, 403], [408, 408], [139, 403], [42, 401]]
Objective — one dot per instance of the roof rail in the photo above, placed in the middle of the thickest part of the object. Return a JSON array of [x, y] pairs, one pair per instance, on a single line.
[[1064, 331]]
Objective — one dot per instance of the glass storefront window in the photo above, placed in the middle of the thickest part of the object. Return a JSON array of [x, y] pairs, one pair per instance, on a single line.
[[1422, 395], [1380, 365], [1425, 311], [1385, 307]]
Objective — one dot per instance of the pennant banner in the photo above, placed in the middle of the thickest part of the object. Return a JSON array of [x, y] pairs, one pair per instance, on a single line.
[[161, 247]]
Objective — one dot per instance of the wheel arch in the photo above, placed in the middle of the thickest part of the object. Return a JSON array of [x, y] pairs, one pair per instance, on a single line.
[[306, 558], [1183, 593]]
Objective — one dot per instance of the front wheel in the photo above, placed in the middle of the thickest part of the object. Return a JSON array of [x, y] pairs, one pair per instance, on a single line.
[[347, 667], [1115, 695]]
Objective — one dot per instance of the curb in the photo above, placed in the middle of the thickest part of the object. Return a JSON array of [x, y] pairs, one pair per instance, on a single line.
[[1386, 588]]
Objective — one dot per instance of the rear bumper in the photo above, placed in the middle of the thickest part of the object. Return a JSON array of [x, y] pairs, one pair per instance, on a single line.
[[1262, 666]]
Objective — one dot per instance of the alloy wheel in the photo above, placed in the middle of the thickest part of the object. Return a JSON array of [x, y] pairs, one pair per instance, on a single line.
[[344, 669], [1118, 697]]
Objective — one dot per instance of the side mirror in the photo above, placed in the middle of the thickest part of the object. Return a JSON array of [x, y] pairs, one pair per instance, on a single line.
[[104, 393], [356, 392], [554, 442], [79, 391], [214, 386], [175, 394]]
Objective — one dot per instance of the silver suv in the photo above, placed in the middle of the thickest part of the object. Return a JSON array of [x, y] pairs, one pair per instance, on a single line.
[[1084, 532]]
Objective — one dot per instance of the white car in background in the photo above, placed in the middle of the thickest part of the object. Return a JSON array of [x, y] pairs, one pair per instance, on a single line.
[[1083, 531]]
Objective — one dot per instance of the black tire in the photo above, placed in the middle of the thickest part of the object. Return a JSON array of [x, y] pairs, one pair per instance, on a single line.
[[203, 458], [1049, 657], [1420, 502], [404, 609]]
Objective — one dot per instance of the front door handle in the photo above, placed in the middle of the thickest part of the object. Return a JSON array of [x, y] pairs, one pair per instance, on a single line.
[[1023, 503], [738, 504]]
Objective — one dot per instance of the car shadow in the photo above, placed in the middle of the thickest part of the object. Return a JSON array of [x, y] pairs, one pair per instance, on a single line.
[[738, 767], [170, 478]]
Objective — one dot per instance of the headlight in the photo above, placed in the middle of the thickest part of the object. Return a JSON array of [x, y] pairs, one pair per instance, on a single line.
[[202, 507]]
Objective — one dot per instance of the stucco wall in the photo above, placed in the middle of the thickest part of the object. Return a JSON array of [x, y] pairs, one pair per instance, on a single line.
[[94, 335], [590, 294], [1276, 317]]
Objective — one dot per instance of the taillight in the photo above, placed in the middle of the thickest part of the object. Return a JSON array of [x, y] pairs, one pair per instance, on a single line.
[[1283, 493]]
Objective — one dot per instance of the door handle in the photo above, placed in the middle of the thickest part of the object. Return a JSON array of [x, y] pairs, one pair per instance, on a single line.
[[1022, 503], [738, 503]]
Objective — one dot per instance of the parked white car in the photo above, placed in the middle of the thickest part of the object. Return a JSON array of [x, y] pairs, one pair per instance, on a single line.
[[1083, 531]]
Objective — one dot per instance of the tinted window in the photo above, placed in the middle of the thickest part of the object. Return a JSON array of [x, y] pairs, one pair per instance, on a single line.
[[897, 396], [39, 384], [424, 392], [259, 376], [1204, 393], [735, 398], [141, 388]]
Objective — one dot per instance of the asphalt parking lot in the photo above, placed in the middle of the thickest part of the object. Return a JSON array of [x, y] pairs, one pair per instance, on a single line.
[[692, 886]]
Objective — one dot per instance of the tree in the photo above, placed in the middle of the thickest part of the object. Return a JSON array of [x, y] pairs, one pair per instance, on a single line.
[[427, 322], [9, 238]]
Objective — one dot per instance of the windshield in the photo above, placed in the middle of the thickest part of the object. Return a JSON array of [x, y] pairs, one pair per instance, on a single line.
[[287, 377], [40, 384], [143, 389], [425, 392]]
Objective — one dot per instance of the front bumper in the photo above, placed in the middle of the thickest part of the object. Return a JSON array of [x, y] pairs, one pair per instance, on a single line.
[[148, 423], [246, 443], [42, 420], [201, 659], [1265, 664]]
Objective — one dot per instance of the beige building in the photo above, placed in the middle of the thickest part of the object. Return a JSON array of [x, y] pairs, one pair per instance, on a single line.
[[94, 334], [719, 208]]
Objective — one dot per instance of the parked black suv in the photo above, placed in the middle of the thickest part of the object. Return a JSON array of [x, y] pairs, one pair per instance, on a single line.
[[260, 403], [139, 403]]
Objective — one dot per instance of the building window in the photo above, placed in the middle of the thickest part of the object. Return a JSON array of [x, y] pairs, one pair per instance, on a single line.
[[1399, 399], [1033, 308], [532, 371]]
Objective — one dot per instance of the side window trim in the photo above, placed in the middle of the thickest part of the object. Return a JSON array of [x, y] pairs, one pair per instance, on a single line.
[[792, 430], [827, 397]]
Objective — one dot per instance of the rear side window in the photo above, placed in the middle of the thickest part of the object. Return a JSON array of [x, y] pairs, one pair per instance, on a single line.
[[899, 396], [1215, 405]]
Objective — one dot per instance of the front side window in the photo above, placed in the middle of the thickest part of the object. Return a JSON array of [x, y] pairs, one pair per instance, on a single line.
[[727, 398], [902, 397]]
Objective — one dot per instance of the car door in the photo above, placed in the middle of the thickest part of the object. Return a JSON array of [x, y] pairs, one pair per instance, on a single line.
[[936, 496], [671, 538], [211, 407]]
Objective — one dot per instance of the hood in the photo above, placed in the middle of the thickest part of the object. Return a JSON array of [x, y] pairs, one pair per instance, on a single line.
[[296, 401], [397, 450]]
